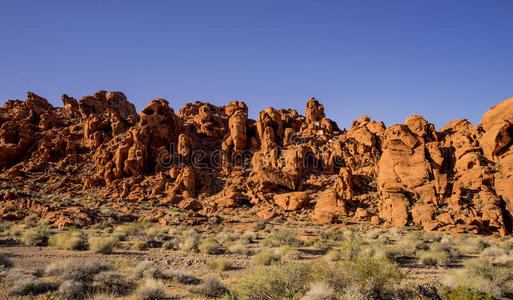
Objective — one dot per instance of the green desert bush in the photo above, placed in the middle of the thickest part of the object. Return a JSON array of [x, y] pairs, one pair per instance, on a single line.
[[151, 289], [190, 241], [239, 248], [220, 264], [368, 276], [483, 276], [280, 281], [211, 287], [36, 236], [140, 245], [73, 240], [265, 257], [210, 246], [433, 258], [104, 245], [285, 236]]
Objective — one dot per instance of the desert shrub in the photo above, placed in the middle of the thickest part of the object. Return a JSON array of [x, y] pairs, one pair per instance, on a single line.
[[211, 287], [259, 226], [36, 236], [156, 233], [151, 289], [73, 240], [433, 258], [77, 270], [374, 234], [220, 264], [21, 283], [5, 261], [112, 282], [248, 237], [104, 245], [369, 276], [472, 245], [140, 245], [481, 275], [239, 248], [348, 249], [463, 293], [148, 269], [71, 289], [210, 246], [265, 257], [287, 253], [280, 281], [172, 244], [285, 236], [190, 241], [183, 277], [392, 252], [102, 296], [319, 291], [448, 246], [494, 252]]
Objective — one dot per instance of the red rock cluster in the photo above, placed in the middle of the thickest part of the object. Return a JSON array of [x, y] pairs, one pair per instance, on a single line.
[[67, 164]]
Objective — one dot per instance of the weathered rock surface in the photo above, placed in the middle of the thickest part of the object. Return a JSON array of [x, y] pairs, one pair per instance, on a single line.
[[96, 159]]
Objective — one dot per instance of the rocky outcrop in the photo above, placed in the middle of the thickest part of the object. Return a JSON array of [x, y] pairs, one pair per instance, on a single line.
[[66, 165]]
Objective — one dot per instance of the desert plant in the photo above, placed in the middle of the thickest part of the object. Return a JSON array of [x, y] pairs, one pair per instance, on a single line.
[[76, 270], [36, 236], [5, 261], [220, 264], [148, 269], [183, 277], [112, 282], [280, 281], [104, 245], [22, 283], [190, 241], [239, 248], [433, 258], [319, 291], [265, 257], [140, 245], [71, 289], [285, 236], [210, 246], [211, 287], [151, 289], [73, 240], [172, 244]]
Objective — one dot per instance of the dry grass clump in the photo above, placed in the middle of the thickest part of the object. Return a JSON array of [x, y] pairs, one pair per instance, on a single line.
[[112, 282], [220, 264], [211, 287], [280, 281], [248, 237], [71, 289], [190, 240], [210, 246], [374, 234], [433, 258], [104, 245], [140, 246], [472, 244], [183, 277], [151, 289], [77, 270], [148, 269], [73, 240], [285, 236], [266, 256], [36, 236], [319, 291], [240, 248], [448, 246], [494, 252], [483, 276], [22, 283]]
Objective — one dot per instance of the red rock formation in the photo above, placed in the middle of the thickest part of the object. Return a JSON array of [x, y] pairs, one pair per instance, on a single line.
[[97, 152]]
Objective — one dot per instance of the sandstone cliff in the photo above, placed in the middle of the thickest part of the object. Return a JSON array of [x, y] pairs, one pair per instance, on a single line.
[[97, 159]]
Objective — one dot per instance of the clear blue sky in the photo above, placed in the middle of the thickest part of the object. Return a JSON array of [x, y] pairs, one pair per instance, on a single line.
[[388, 59]]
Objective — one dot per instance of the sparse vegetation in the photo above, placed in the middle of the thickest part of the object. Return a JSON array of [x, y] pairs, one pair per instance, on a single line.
[[104, 245], [73, 240], [36, 236]]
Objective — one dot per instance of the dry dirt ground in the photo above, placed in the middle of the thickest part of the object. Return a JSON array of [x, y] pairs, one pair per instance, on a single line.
[[36, 259]]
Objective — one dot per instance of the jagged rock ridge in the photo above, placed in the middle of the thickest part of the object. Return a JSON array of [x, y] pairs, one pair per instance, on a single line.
[[209, 158]]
